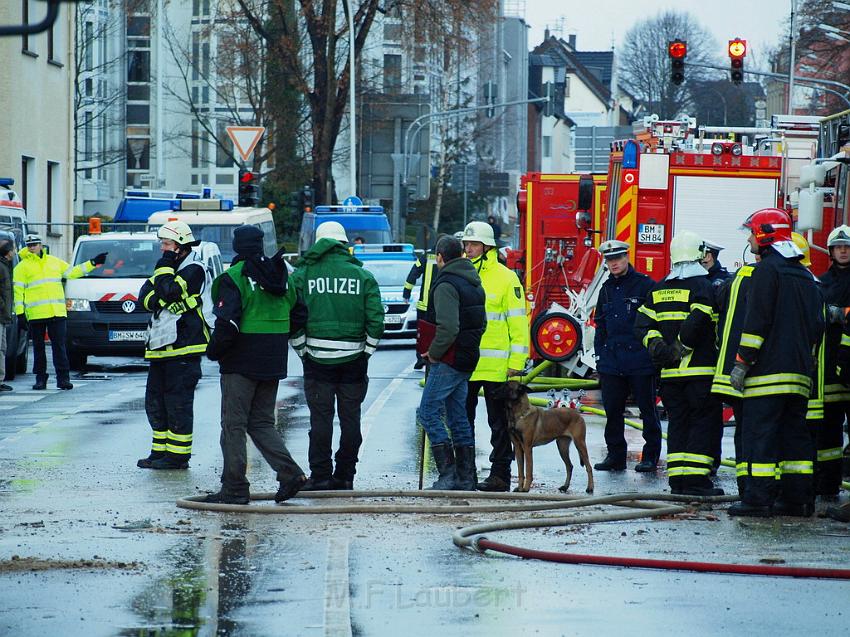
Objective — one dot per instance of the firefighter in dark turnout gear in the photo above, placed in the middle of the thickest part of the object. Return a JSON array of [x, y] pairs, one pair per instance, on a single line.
[[773, 368], [731, 299], [677, 326], [829, 436], [177, 337], [623, 363], [254, 309]]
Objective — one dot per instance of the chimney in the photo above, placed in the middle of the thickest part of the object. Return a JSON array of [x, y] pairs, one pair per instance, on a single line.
[[571, 38], [546, 34]]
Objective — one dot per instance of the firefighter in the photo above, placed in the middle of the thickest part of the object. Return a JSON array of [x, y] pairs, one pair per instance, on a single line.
[[731, 300], [254, 309], [835, 285], [345, 322], [676, 325], [504, 347], [773, 369], [424, 265], [177, 338], [623, 363], [717, 274], [40, 303]]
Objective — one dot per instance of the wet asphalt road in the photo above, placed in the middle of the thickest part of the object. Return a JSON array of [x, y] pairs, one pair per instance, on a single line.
[[91, 545]]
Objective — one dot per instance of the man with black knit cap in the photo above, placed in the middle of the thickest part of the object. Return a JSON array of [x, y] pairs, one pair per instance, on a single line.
[[255, 310]]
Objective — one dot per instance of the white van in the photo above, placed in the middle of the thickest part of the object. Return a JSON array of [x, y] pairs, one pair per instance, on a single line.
[[105, 317], [211, 220]]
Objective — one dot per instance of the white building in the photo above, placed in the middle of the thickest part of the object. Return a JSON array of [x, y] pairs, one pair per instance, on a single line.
[[36, 73]]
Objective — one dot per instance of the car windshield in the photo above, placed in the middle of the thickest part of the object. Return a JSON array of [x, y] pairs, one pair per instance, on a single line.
[[368, 236], [126, 258], [221, 235], [389, 273]]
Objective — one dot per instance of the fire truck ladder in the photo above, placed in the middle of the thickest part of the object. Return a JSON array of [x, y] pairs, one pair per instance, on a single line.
[[834, 133]]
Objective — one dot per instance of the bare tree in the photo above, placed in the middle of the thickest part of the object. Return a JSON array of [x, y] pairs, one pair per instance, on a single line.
[[645, 64]]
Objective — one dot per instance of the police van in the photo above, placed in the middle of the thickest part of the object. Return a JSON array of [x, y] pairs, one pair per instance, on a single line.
[[105, 316], [368, 223], [214, 220], [390, 264]]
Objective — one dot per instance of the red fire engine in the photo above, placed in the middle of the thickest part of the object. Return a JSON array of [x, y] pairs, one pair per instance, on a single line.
[[668, 178]]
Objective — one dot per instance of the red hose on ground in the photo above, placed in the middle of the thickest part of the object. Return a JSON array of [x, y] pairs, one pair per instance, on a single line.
[[670, 565]]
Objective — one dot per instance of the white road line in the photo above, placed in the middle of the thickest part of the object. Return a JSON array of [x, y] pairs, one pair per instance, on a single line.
[[376, 407], [337, 596]]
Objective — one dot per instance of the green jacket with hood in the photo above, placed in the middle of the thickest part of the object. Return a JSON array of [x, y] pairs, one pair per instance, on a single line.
[[345, 311]]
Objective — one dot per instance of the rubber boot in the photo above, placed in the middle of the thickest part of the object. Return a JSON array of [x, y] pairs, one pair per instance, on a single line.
[[464, 469], [444, 458]]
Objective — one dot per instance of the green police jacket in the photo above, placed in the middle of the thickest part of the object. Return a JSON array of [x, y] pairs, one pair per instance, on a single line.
[[345, 312]]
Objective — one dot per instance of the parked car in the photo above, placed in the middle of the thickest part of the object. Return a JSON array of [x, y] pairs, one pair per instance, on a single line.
[[390, 264]]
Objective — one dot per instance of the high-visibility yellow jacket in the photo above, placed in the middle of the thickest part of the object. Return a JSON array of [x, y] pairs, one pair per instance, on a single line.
[[505, 342], [39, 293]]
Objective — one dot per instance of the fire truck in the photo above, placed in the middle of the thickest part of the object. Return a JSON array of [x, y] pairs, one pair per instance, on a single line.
[[671, 176], [823, 199]]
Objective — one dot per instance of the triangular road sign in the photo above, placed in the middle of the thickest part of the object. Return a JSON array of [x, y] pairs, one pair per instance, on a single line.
[[245, 139]]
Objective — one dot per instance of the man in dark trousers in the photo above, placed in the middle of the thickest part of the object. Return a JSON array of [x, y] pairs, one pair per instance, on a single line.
[[344, 325], [773, 369], [255, 310], [456, 309], [623, 363], [7, 253]]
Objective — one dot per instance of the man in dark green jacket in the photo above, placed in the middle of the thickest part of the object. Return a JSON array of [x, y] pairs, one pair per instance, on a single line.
[[344, 324], [7, 253], [254, 310], [456, 309]]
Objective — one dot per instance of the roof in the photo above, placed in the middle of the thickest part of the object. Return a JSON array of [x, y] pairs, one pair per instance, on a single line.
[[600, 63], [559, 51]]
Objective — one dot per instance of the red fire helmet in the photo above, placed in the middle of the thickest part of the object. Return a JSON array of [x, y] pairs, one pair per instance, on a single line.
[[769, 225]]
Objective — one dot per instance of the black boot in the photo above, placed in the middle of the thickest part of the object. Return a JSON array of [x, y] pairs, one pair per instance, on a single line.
[[611, 464], [444, 458], [147, 463], [289, 489], [464, 479], [40, 383], [313, 484], [497, 481], [793, 509], [750, 510], [226, 498], [840, 513]]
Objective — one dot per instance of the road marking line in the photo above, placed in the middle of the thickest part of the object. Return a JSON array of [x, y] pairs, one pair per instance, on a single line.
[[375, 408], [337, 596]]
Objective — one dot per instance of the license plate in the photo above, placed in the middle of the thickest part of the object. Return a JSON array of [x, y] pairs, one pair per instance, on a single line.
[[126, 335], [393, 319], [650, 233]]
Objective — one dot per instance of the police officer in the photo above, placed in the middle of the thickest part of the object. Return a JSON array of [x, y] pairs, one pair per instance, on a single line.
[[676, 324], [504, 347], [345, 322], [717, 274], [835, 286], [40, 302], [177, 338], [424, 265], [773, 369], [623, 363], [254, 310]]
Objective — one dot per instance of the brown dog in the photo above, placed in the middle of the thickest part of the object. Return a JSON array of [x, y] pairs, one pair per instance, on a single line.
[[531, 426]]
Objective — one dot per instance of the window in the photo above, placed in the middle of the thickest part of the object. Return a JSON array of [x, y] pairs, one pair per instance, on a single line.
[[392, 32], [139, 26], [139, 93], [52, 187], [138, 154], [196, 55], [138, 66], [223, 159], [547, 146], [88, 141], [392, 73], [567, 86], [89, 87], [138, 114], [26, 166], [196, 148]]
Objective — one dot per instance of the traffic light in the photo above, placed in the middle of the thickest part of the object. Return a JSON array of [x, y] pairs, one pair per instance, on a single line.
[[249, 190], [410, 204], [678, 51], [737, 52], [307, 199]]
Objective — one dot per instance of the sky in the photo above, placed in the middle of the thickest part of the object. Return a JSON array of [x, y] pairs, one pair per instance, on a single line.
[[597, 23]]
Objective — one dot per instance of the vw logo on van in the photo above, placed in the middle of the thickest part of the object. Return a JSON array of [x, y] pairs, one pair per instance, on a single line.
[[128, 306]]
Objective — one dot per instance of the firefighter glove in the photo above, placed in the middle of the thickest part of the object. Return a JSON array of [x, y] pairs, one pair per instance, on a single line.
[[678, 350], [660, 352], [99, 259], [739, 372], [835, 315], [167, 260]]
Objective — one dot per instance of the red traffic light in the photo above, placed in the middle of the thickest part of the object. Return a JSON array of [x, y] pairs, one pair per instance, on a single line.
[[677, 49], [737, 48], [246, 177]]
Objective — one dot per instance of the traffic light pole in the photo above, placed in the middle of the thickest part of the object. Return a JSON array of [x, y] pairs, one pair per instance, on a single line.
[[415, 127], [784, 78]]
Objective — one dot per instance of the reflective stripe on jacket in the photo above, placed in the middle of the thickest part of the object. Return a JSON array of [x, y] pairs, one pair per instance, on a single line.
[[732, 306], [505, 342], [39, 292]]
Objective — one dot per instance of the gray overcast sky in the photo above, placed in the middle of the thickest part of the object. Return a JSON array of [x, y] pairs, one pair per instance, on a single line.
[[597, 22]]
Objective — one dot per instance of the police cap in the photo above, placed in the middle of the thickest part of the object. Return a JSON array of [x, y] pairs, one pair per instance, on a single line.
[[614, 249]]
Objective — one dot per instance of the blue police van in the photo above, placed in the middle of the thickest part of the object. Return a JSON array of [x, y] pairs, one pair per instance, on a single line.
[[368, 223]]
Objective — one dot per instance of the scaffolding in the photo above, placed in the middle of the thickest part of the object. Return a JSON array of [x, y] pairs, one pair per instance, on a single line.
[[514, 8]]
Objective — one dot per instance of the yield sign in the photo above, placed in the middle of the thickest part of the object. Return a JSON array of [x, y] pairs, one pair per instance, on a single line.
[[245, 138]]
